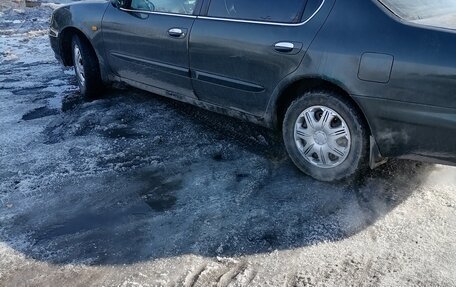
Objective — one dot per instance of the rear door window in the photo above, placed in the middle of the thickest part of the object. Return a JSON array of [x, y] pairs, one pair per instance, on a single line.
[[280, 11]]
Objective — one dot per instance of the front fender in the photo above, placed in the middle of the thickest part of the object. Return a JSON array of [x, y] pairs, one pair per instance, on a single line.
[[83, 18]]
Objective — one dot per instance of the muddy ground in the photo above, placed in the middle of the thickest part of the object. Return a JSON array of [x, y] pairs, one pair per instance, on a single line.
[[136, 190]]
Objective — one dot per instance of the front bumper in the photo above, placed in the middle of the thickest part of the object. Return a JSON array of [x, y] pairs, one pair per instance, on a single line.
[[55, 44]]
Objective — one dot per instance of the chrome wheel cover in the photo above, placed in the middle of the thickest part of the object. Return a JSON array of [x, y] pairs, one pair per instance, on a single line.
[[79, 65], [322, 137]]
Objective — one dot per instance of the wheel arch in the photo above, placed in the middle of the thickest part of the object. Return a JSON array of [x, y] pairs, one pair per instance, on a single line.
[[298, 87], [66, 36]]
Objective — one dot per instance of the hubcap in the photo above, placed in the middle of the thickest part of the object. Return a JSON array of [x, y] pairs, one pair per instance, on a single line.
[[79, 65], [322, 137]]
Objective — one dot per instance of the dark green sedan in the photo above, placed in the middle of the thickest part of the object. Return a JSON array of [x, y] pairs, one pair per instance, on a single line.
[[348, 83]]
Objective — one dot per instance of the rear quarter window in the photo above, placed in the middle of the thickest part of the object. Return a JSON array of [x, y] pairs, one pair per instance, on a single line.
[[289, 11]]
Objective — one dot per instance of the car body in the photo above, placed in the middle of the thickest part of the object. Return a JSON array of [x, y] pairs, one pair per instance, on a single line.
[[399, 74]]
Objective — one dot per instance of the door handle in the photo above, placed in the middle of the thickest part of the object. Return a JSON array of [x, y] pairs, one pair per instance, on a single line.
[[176, 32], [284, 47]]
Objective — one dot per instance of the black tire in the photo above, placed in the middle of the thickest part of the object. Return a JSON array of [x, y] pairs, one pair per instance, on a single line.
[[357, 158], [91, 87]]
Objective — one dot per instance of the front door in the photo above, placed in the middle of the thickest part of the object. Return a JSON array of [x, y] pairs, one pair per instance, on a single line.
[[146, 42]]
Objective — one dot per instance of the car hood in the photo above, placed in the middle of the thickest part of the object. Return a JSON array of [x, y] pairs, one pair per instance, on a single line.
[[445, 21]]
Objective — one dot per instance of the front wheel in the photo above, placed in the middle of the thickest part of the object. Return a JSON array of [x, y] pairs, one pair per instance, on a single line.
[[325, 136], [87, 68]]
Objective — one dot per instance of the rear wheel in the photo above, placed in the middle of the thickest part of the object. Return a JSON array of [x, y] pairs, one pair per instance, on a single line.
[[87, 68], [325, 136]]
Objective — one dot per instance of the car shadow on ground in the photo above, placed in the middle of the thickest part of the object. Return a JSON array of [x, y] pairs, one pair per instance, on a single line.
[[246, 199]]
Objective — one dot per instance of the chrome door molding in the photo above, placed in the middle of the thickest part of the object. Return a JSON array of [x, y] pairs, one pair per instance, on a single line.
[[228, 19], [158, 13], [265, 22]]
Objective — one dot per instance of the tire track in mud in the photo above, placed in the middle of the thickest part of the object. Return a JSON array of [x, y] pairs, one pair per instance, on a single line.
[[219, 274], [230, 276], [193, 276]]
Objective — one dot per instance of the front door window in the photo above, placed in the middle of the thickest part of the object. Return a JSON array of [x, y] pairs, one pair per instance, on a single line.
[[185, 7]]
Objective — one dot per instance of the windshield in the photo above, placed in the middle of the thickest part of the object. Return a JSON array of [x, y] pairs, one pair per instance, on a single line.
[[420, 9]]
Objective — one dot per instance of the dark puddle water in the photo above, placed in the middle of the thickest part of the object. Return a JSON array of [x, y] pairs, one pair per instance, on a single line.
[[159, 190]]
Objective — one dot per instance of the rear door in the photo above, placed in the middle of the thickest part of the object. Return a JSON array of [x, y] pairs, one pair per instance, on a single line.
[[240, 50], [146, 42]]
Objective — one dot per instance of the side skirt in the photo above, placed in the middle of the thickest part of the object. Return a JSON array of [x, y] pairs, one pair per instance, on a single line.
[[232, 112]]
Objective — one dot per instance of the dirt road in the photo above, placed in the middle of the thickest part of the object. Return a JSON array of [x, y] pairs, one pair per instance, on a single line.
[[136, 190]]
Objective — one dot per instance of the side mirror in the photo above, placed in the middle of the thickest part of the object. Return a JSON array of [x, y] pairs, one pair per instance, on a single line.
[[120, 3]]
